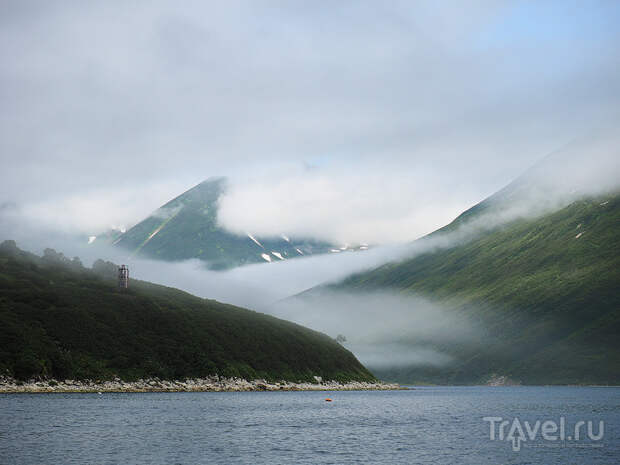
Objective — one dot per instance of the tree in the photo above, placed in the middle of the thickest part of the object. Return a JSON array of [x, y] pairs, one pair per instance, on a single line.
[[105, 269]]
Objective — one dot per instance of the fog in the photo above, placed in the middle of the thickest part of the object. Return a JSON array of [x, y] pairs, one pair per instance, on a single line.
[[252, 286], [588, 166], [357, 122], [383, 329], [343, 206], [351, 122]]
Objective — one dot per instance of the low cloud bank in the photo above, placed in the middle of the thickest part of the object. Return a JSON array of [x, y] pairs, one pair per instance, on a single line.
[[336, 204], [384, 329], [252, 286], [392, 206], [94, 210], [583, 168], [378, 326]]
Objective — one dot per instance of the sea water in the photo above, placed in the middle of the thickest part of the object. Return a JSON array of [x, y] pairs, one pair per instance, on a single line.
[[435, 425]]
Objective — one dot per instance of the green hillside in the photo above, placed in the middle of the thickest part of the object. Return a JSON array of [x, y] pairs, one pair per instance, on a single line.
[[61, 320], [186, 227], [544, 290]]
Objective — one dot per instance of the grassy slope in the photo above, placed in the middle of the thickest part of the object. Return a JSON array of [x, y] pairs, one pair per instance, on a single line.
[[189, 229], [60, 320], [549, 302]]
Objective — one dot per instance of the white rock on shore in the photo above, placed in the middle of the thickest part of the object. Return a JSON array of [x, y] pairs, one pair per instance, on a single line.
[[501, 380], [214, 383]]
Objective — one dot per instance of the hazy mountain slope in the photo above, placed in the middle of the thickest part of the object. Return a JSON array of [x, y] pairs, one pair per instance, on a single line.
[[545, 290], [60, 320], [583, 168], [186, 227]]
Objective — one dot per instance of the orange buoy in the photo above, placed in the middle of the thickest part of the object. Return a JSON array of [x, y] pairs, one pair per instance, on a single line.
[[328, 400]]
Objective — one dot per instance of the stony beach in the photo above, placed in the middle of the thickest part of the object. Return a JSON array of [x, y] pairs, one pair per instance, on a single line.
[[211, 384]]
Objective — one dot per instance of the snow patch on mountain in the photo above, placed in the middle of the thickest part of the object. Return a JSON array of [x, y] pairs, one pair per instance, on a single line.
[[153, 233], [256, 241]]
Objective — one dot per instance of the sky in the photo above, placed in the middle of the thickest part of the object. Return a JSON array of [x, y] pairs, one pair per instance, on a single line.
[[354, 121]]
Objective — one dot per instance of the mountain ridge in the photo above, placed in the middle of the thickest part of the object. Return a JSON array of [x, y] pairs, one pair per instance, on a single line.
[[59, 320], [186, 227], [534, 268], [545, 289]]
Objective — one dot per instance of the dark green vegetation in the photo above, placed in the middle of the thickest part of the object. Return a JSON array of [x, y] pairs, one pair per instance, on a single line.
[[186, 227], [61, 320], [545, 292]]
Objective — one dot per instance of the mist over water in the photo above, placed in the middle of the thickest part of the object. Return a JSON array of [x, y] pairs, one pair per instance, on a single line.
[[379, 327], [384, 329]]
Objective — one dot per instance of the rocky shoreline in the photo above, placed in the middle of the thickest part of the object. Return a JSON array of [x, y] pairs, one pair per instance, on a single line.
[[501, 380], [211, 384]]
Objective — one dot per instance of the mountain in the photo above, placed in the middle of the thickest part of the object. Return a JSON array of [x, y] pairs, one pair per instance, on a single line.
[[61, 320], [186, 227], [537, 274]]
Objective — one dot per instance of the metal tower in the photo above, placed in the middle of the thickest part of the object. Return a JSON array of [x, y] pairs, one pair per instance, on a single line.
[[123, 277]]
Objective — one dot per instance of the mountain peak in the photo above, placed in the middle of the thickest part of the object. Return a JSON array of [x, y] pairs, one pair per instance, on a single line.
[[187, 227]]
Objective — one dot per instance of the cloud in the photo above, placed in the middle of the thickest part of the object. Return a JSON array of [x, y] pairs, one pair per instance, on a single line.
[[350, 121], [392, 355], [585, 167], [96, 210], [384, 205], [337, 205], [384, 329], [102, 98], [253, 286], [381, 328]]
